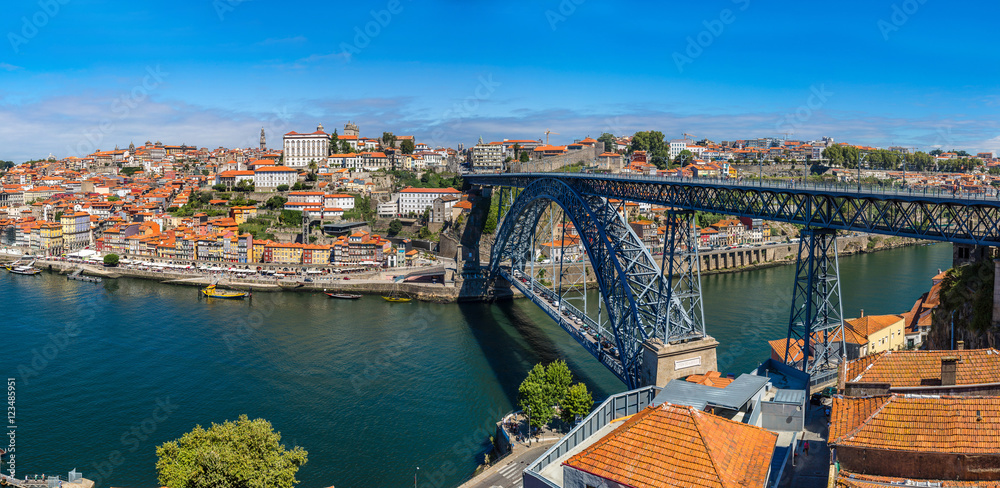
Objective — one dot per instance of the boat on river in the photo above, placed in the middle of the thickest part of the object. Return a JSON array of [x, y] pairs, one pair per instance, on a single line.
[[26, 270], [212, 292], [343, 296], [396, 299]]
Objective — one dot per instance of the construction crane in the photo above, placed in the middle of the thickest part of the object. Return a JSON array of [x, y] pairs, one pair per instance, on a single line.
[[547, 132], [686, 135]]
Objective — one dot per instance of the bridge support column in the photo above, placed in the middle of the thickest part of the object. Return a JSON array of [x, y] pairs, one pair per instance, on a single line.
[[815, 325], [685, 317], [662, 363]]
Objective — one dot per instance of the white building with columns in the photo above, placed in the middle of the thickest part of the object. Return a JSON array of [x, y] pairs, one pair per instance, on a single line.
[[300, 149]]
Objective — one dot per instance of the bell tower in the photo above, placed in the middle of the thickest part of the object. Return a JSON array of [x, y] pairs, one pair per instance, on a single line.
[[263, 142]]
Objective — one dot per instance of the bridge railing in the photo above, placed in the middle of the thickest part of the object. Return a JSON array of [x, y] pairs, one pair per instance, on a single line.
[[615, 407], [560, 311], [990, 194]]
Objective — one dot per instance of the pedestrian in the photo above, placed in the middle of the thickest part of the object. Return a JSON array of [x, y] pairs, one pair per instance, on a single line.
[[805, 447]]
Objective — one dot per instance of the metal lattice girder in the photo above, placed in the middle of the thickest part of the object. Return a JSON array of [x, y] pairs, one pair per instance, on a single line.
[[817, 317], [627, 276], [685, 319], [959, 219]]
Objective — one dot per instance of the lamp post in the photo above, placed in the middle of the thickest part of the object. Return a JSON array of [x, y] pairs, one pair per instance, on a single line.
[[415, 477]]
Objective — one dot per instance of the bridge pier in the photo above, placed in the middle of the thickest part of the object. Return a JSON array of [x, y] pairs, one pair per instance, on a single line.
[[815, 342], [662, 363]]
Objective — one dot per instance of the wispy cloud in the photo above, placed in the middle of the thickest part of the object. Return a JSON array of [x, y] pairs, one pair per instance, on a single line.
[[66, 119], [10, 67]]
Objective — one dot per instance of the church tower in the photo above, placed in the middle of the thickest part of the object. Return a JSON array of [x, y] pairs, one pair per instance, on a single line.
[[263, 142]]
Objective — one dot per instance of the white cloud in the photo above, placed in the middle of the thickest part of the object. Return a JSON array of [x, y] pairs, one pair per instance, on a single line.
[[10, 67]]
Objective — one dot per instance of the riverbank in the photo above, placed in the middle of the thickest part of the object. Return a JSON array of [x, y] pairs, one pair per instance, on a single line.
[[372, 283], [378, 282]]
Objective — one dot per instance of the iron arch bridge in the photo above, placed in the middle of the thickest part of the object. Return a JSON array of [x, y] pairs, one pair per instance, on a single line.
[[640, 303], [637, 302]]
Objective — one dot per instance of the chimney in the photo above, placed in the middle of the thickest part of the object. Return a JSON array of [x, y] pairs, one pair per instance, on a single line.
[[960, 345], [862, 313], [948, 367]]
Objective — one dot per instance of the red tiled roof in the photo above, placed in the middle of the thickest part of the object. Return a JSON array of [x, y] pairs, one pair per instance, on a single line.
[[671, 445], [919, 368], [960, 425], [847, 479]]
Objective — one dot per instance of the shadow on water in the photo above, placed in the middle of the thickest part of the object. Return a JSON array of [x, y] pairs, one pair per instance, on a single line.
[[510, 357]]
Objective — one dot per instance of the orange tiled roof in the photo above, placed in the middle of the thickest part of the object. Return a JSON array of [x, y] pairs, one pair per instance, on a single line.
[[870, 324], [960, 425], [917, 368], [669, 445], [847, 479], [712, 378]]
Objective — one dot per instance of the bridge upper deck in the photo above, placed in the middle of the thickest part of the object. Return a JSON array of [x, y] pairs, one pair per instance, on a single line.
[[958, 217]]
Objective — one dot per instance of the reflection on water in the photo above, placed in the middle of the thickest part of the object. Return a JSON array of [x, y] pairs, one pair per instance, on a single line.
[[370, 389]]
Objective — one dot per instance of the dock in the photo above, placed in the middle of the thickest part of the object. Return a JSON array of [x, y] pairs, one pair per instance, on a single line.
[[78, 276]]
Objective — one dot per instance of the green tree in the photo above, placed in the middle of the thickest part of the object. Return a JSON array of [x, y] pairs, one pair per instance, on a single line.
[[558, 378], [334, 143], [610, 142], [282, 188], [111, 260], [291, 218], [395, 226], [525, 157], [388, 139], [407, 146], [130, 170], [533, 397], [245, 186], [276, 202], [219, 187], [424, 233], [577, 404], [241, 454], [345, 147], [652, 142], [297, 186], [684, 157]]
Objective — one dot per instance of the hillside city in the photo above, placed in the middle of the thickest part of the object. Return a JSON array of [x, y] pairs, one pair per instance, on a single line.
[[365, 199]]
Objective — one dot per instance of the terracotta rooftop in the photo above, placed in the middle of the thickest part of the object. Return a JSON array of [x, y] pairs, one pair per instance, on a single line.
[[923, 368], [854, 480], [962, 425], [670, 445]]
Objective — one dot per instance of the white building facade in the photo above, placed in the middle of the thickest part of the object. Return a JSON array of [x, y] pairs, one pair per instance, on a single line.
[[417, 200], [300, 149]]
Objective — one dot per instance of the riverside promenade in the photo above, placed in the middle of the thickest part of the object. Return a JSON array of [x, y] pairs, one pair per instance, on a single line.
[[243, 276]]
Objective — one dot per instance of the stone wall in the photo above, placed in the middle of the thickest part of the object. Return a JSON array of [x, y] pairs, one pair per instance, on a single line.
[[553, 163]]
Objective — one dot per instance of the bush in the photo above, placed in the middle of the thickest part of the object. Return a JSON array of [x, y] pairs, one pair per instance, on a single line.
[[282, 188], [395, 226], [111, 260]]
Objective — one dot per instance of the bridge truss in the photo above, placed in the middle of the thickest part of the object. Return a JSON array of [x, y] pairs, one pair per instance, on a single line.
[[633, 306], [815, 341]]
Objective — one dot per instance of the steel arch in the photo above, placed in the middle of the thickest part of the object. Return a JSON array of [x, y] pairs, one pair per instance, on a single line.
[[628, 277]]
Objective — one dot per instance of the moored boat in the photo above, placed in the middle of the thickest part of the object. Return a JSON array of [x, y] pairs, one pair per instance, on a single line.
[[396, 299], [25, 270], [343, 296], [212, 292]]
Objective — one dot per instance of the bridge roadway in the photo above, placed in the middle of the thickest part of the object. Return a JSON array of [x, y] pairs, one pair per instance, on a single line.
[[584, 329], [963, 218]]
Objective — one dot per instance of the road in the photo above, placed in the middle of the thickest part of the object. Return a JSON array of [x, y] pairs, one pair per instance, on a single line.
[[507, 473]]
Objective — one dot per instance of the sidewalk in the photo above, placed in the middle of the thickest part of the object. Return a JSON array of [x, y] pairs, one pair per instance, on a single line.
[[811, 469]]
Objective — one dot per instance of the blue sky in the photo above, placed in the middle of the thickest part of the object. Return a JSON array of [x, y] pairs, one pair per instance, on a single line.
[[78, 75]]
